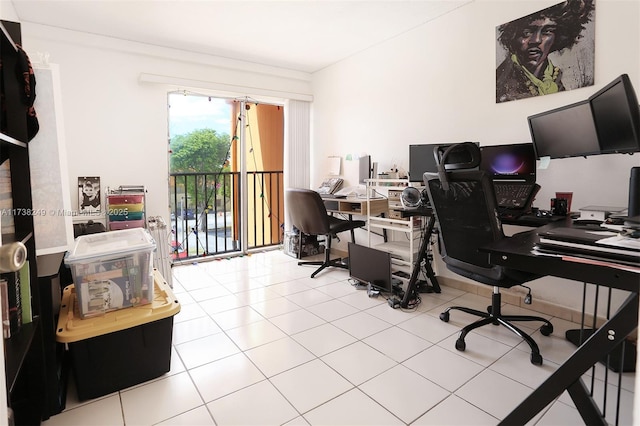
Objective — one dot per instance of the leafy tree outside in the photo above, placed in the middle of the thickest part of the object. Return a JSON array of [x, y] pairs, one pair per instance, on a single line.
[[201, 151]]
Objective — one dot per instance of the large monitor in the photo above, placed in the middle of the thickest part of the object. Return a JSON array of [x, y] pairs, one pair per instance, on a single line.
[[422, 160], [364, 172], [568, 131], [617, 117], [370, 266]]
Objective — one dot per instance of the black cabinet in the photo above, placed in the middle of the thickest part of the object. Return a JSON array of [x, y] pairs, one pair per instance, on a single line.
[[24, 351]]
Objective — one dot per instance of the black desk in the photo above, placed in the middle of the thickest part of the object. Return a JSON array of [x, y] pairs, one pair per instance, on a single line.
[[515, 252]]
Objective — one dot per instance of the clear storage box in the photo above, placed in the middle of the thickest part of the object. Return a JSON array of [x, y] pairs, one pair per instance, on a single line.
[[112, 270]]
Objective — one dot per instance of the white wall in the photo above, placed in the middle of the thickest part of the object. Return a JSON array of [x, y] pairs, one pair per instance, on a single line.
[[437, 84], [116, 126]]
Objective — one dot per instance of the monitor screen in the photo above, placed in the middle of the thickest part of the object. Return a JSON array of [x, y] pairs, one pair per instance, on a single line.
[[513, 161], [422, 160], [364, 169], [564, 132], [370, 266], [617, 116]]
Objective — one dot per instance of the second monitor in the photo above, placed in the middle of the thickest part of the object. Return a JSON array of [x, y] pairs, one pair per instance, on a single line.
[[370, 266]]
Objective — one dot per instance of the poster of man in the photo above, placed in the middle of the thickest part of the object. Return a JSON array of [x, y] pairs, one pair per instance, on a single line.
[[546, 52], [89, 195]]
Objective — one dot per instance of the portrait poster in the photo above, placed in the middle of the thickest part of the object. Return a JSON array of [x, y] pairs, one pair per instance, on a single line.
[[89, 195], [546, 52]]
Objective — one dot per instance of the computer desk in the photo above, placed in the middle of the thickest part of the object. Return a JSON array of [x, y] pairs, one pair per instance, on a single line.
[[516, 252], [356, 205]]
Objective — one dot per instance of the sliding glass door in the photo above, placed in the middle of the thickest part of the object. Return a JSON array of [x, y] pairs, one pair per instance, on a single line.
[[225, 174]]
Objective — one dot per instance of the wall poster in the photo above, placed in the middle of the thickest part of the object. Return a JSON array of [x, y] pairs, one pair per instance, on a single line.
[[549, 51], [89, 195]]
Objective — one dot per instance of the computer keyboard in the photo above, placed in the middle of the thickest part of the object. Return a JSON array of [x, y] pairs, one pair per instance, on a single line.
[[512, 196]]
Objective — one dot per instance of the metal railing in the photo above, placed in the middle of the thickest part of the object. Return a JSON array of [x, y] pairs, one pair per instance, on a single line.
[[206, 212]]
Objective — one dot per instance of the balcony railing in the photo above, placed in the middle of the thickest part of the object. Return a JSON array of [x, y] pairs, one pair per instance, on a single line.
[[206, 210]]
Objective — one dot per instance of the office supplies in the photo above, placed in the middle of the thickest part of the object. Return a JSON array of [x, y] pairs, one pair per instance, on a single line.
[[512, 169], [603, 244], [329, 186]]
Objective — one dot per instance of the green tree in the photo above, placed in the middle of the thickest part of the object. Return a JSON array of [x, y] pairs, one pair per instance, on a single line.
[[200, 151]]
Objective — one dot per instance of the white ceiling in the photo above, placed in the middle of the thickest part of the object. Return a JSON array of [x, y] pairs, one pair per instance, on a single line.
[[302, 35]]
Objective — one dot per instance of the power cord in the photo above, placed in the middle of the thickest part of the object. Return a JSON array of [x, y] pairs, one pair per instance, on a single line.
[[527, 298]]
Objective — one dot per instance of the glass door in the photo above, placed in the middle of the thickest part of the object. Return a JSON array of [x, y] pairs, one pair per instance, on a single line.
[[225, 175]]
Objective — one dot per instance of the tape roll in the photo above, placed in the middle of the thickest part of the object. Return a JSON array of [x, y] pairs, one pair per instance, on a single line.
[[12, 257]]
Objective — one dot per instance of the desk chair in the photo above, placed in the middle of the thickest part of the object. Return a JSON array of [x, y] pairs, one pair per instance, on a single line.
[[464, 202], [308, 213]]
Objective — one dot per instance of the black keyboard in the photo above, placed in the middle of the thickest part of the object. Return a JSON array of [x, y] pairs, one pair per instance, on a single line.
[[513, 195]]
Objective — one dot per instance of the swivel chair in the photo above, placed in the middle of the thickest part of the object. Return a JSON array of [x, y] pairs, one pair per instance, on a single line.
[[464, 203], [309, 214]]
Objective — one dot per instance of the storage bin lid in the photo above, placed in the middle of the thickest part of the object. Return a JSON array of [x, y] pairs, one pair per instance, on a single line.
[[109, 244], [72, 328]]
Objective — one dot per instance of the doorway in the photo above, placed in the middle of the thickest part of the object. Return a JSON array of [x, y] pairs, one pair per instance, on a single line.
[[225, 174]]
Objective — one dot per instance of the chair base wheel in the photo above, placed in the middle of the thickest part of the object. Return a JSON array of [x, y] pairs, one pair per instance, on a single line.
[[444, 316], [461, 345], [536, 359], [546, 330]]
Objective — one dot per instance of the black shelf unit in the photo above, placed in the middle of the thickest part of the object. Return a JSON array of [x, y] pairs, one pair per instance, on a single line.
[[24, 351]]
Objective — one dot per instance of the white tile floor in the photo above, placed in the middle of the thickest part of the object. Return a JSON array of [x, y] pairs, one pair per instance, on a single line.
[[258, 342]]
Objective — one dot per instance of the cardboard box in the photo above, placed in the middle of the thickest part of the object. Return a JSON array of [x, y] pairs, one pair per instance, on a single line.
[[121, 348], [112, 270]]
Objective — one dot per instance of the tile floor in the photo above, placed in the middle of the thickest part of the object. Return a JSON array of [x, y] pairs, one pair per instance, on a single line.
[[258, 342]]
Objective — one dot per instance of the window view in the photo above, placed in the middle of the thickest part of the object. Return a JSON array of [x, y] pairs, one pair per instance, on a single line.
[[217, 147]]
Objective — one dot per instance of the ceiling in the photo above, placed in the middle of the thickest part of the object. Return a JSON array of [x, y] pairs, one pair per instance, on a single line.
[[301, 35]]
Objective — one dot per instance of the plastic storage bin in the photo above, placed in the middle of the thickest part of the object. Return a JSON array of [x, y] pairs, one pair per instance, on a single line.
[[121, 348], [112, 270]]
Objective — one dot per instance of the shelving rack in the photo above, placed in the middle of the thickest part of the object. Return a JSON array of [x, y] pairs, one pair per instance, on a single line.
[[24, 352], [404, 251]]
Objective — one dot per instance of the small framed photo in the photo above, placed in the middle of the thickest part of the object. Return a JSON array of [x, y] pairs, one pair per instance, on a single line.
[[89, 195]]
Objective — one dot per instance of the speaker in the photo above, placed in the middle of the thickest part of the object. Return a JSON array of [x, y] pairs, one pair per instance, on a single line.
[[634, 192]]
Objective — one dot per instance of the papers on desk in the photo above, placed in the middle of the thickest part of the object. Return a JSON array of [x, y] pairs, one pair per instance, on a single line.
[[591, 246]]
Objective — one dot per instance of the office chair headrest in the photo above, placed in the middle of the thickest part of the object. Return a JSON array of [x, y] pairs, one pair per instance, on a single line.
[[464, 155]]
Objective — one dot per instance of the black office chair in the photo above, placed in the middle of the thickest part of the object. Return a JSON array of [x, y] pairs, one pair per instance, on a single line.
[[464, 202], [309, 214]]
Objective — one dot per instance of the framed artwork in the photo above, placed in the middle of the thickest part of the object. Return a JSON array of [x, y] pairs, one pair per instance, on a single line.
[[89, 195], [548, 51]]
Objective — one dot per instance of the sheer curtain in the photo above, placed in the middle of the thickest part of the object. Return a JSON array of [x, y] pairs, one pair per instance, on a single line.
[[297, 147]]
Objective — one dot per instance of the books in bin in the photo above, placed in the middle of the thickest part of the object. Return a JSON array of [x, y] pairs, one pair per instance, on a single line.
[[110, 290], [604, 244]]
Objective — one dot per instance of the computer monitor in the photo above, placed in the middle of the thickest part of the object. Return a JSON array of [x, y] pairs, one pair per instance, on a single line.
[[568, 131], [511, 161], [617, 117], [422, 160], [370, 266], [364, 169]]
